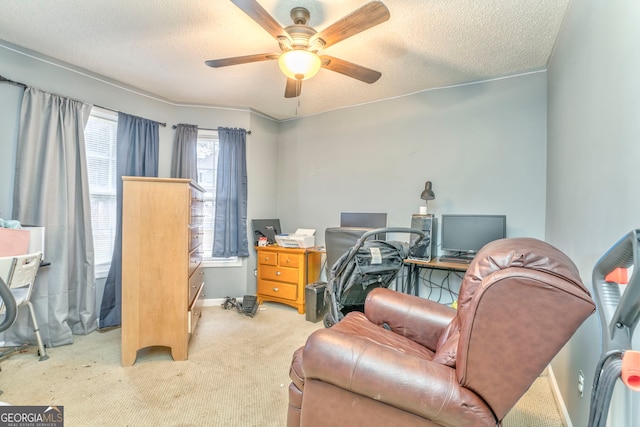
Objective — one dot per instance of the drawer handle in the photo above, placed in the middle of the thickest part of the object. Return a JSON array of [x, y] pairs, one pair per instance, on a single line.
[[266, 258], [278, 273], [275, 289]]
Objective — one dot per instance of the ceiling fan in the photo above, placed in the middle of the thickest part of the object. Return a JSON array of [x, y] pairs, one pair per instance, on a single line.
[[300, 44]]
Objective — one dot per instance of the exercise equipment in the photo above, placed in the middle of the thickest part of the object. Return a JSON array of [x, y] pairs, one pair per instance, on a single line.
[[617, 298]]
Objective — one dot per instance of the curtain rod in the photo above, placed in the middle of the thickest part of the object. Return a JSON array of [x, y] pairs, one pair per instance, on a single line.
[[199, 128], [6, 80], [116, 111]]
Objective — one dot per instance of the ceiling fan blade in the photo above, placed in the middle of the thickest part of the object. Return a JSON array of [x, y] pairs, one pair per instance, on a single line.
[[293, 88], [350, 69], [225, 62], [369, 15], [262, 17]]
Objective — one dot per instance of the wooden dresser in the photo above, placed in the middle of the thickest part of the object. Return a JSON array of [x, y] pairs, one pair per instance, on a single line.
[[283, 274], [162, 279]]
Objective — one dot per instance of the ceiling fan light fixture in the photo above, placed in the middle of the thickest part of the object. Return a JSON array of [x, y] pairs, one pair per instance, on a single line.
[[299, 64]]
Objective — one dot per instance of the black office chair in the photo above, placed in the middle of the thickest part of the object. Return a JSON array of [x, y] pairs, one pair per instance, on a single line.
[[338, 240]]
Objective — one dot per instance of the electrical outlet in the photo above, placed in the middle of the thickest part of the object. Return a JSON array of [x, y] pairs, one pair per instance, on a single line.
[[581, 383], [255, 272]]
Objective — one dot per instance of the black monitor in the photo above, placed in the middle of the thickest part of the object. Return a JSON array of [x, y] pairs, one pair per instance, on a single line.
[[370, 220], [363, 219], [265, 228], [467, 234]]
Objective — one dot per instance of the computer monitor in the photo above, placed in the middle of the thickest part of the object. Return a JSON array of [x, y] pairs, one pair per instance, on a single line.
[[467, 234], [265, 228], [363, 219], [370, 220]]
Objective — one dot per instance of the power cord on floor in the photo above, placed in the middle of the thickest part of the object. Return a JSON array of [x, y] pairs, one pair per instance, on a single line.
[[231, 303], [248, 306]]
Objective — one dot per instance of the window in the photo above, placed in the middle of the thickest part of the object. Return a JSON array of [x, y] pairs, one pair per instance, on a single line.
[[207, 161], [100, 143], [207, 155]]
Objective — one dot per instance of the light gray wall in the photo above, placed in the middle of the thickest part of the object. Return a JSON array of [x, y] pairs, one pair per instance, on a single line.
[[594, 123], [482, 145]]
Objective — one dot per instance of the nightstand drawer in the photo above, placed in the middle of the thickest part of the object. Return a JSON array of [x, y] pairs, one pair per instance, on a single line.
[[268, 258], [279, 290], [288, 260], [280, 274]]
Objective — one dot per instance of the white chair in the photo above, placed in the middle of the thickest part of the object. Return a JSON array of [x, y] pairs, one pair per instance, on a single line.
[[19, 273]]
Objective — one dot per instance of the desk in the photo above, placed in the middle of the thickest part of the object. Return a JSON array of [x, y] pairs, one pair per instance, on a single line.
[[414, 267]]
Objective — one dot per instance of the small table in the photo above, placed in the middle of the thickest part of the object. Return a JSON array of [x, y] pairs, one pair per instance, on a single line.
[[283, 273], [414, 266]]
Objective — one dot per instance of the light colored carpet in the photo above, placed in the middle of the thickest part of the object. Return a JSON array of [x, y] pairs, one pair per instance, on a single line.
[[236, 375]]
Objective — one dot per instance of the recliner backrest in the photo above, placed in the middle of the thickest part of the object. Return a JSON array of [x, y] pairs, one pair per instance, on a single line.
[[520, 301]]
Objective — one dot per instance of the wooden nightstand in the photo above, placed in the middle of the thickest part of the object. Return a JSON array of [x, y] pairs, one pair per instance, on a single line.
[[283, 274]]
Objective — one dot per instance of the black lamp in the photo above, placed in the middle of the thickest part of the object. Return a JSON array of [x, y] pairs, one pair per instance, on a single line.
[[428, 193]]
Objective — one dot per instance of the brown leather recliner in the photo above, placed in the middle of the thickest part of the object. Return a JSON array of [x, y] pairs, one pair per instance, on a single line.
[[408, 361]]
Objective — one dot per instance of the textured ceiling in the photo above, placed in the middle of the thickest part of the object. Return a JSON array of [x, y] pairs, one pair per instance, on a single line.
[[160, 46]]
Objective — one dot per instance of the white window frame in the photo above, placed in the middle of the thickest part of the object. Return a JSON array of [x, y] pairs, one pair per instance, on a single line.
[[102, 268], [208, 261]]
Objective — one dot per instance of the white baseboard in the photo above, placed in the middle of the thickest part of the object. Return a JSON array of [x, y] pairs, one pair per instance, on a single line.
[[558, 398]]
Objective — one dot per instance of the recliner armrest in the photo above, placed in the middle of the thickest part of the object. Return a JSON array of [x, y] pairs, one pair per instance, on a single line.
[[418, 319], [394, 377]]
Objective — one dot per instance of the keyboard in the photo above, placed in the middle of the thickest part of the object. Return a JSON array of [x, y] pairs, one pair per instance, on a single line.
[[458, 259]]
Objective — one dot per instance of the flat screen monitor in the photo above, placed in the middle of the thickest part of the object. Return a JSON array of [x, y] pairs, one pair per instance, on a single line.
[[265, 228], [363, 219], [370, 220], [467, 234]]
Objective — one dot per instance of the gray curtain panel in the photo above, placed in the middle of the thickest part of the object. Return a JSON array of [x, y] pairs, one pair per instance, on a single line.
[[184, 156], [52, 190], [230, 219], [137, 155]]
